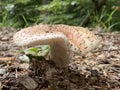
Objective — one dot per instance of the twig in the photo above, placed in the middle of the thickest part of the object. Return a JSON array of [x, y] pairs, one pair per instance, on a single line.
[[106, 50], [7, 59], [104, 34]]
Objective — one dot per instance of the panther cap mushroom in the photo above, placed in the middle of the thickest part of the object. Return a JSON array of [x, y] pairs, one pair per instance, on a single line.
[[63, 40]]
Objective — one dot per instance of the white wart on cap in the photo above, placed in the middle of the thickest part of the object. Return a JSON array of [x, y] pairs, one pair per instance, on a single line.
[[63, 40]]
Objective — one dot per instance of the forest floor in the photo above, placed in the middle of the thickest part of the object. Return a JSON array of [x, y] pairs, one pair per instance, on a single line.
[[97, 70]]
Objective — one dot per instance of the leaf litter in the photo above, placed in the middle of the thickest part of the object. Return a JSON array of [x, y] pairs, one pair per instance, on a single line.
[[99, 69]]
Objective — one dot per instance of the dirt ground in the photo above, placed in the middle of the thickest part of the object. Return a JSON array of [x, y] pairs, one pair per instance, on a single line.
[[97, 70]]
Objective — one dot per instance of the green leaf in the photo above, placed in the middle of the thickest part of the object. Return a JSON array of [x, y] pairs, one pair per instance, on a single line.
[[43, 50], [32, 51]]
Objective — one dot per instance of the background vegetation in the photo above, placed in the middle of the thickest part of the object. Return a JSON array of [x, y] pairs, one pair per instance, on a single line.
[[90, 13]]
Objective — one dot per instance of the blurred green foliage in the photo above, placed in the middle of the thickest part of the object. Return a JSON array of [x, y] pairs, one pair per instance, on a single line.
[[23, 13]]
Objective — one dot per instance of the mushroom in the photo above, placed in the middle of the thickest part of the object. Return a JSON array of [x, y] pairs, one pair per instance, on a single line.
[[63, 40]]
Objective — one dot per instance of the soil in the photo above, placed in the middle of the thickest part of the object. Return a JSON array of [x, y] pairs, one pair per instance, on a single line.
[[97, 70]]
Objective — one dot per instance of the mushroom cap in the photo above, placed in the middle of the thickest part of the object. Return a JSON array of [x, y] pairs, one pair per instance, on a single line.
[[81, 40]]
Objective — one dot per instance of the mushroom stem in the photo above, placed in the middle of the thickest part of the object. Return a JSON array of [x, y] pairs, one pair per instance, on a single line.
[[59, 52]]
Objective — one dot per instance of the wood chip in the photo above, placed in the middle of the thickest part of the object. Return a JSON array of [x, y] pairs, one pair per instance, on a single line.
[[27, 82]]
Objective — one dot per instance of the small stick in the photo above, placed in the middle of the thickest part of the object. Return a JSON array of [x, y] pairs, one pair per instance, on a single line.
[[106, 50], [7, 59]]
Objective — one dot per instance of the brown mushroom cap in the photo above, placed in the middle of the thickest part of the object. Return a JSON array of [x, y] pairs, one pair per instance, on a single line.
[[61, 38]]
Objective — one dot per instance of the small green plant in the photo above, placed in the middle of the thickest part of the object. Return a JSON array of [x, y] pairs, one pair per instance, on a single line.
[[43, 50], [38, 53]]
